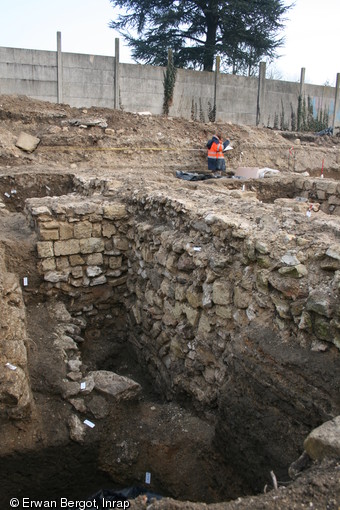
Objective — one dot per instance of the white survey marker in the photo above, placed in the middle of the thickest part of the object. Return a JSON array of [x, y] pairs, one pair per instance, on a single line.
[[89, 423]]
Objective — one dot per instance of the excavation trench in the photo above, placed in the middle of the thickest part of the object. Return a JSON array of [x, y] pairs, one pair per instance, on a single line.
[[183, 303]]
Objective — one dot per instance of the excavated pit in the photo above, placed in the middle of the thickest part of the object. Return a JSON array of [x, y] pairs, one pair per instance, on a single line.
[[147, 282]]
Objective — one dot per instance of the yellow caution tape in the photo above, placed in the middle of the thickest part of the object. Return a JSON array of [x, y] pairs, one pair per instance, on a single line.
[[70, 148]]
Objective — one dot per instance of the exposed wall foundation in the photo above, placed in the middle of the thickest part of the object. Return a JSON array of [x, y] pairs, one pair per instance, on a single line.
[[227, 322]]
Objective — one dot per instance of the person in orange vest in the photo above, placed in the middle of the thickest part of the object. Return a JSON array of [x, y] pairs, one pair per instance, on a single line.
[[216, 161]]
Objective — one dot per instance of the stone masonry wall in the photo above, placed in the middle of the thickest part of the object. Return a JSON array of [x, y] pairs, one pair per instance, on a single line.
[[82, 248], [237, 311], [16, 402]]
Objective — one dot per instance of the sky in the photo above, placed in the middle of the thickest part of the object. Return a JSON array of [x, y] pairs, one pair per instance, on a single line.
[[311, 33]]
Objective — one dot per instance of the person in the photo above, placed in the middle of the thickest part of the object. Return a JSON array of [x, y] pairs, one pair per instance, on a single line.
[[216, 161]]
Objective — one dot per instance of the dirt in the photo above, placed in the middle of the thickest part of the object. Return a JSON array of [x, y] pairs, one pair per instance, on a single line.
[[134, 150]]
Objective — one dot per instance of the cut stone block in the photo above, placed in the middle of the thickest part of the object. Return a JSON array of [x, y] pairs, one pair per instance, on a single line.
[[27, 143]]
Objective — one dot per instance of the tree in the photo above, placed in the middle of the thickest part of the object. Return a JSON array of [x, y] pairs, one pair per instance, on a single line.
[[242, 32]]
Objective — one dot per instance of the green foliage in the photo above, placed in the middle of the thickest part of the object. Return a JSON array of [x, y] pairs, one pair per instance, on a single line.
[[242, 32], [211, 112], [307, 121], [293, 116], [299, 113], [169, 80]]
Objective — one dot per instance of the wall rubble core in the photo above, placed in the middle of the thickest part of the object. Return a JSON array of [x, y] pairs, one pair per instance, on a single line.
[[223, 308]]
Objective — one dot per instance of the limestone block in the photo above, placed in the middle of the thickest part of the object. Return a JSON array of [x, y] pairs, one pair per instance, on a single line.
[[225, 312], [290, 259], [65, 343], [298, 271], [41, 210], [77, 429], [290, 287], [91, 245], [219, 262], [321, 195], [241, 298], [114, 211], [120, 243], [95, 259], [109, 229], [96, 229], [27, 143], [67, 247], [77, 271], [71, 388], [171, 263], [114, 385], [45, 249], [147, 253], [92, 271], [49, 234], [222, 292], [261, 247], [324, 441], [322, 328], [192, 314], [160, 257], [180, 292], [76, 260], [115, 262], [185, 263], [282, 307], [114, 273], [100, 280], [76, 282], [66, 231], [56, 276], [334, 252], [320, 302], [78, 404], [15, 397], [98, 406], [334, 200], [49, 224], [327, 186], [82, 230], [48, 264], [209, 375], [167, 289], [59, 312], [194, 297], [62, 263], [204, 325], [74, 365]]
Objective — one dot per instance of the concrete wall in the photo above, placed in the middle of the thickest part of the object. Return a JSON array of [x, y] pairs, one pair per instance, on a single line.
[[29, 72], [89, 80]]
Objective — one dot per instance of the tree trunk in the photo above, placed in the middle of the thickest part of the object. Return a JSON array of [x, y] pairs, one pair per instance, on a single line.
[[209, 45]]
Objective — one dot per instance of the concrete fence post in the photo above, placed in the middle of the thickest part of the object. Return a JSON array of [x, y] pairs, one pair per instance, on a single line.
[[216, 84], [59, 70], [260, 110], [116, 78], [336, 101], [300, 120], [302, 81]]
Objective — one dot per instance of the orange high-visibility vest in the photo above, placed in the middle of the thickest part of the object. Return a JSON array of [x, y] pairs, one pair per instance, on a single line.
[[215, 151]]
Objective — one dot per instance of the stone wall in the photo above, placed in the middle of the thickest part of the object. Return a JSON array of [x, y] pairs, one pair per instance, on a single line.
[[236, 311], [16, 401], [295, 192]]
